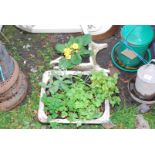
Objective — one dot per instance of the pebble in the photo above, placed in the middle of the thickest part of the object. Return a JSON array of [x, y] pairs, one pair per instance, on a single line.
[[44, 127], [24, 62], [34, 70], [141, 123], [108, 125], [27, 46], [143, 108]]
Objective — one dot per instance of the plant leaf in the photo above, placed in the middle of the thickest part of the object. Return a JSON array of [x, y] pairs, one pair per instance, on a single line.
[[71, 40], [60, 48], [85, 51], [76, 59], [55, 88], [54, 125], [64, 114], [68, 81], [65, 64], [63, 86], [86, 39], [42, 84]]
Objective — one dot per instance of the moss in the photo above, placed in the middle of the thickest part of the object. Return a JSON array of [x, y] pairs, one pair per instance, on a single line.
[[124, 117]]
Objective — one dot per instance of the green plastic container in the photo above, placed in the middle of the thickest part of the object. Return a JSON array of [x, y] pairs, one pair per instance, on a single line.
[[135, 40]]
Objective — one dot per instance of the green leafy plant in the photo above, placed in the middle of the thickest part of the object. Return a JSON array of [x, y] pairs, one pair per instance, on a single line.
[[107, 85], [57, 83], [73, 51], [83, 98]]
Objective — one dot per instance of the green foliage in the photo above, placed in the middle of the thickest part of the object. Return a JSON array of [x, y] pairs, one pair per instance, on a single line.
[[86, 39], [54, 125], [76, 59], [106, 84], [64, 63], [125, 117], [60, 48], [150, 117], [82, 100], [73, 51], [57, 83]]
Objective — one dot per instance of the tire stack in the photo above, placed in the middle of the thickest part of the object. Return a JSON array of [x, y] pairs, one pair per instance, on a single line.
[[14, 88]]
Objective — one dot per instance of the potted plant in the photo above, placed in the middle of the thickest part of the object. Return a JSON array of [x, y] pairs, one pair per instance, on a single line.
[[73, 97], [74, 52], [79, 53]]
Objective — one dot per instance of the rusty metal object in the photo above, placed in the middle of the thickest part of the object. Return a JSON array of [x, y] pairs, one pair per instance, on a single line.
[[18, 90], [7, 84], [12, 91], [13, 83], [107, 34]]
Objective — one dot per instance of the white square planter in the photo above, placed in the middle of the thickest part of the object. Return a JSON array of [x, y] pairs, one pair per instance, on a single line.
[[44, 118], [95, 47]]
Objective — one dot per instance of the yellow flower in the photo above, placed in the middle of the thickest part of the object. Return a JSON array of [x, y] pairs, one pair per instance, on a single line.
[[67, 53], [68, 56], [75, 46]]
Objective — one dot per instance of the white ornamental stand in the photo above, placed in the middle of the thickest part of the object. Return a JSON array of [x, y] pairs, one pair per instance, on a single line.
[[92, 65]]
